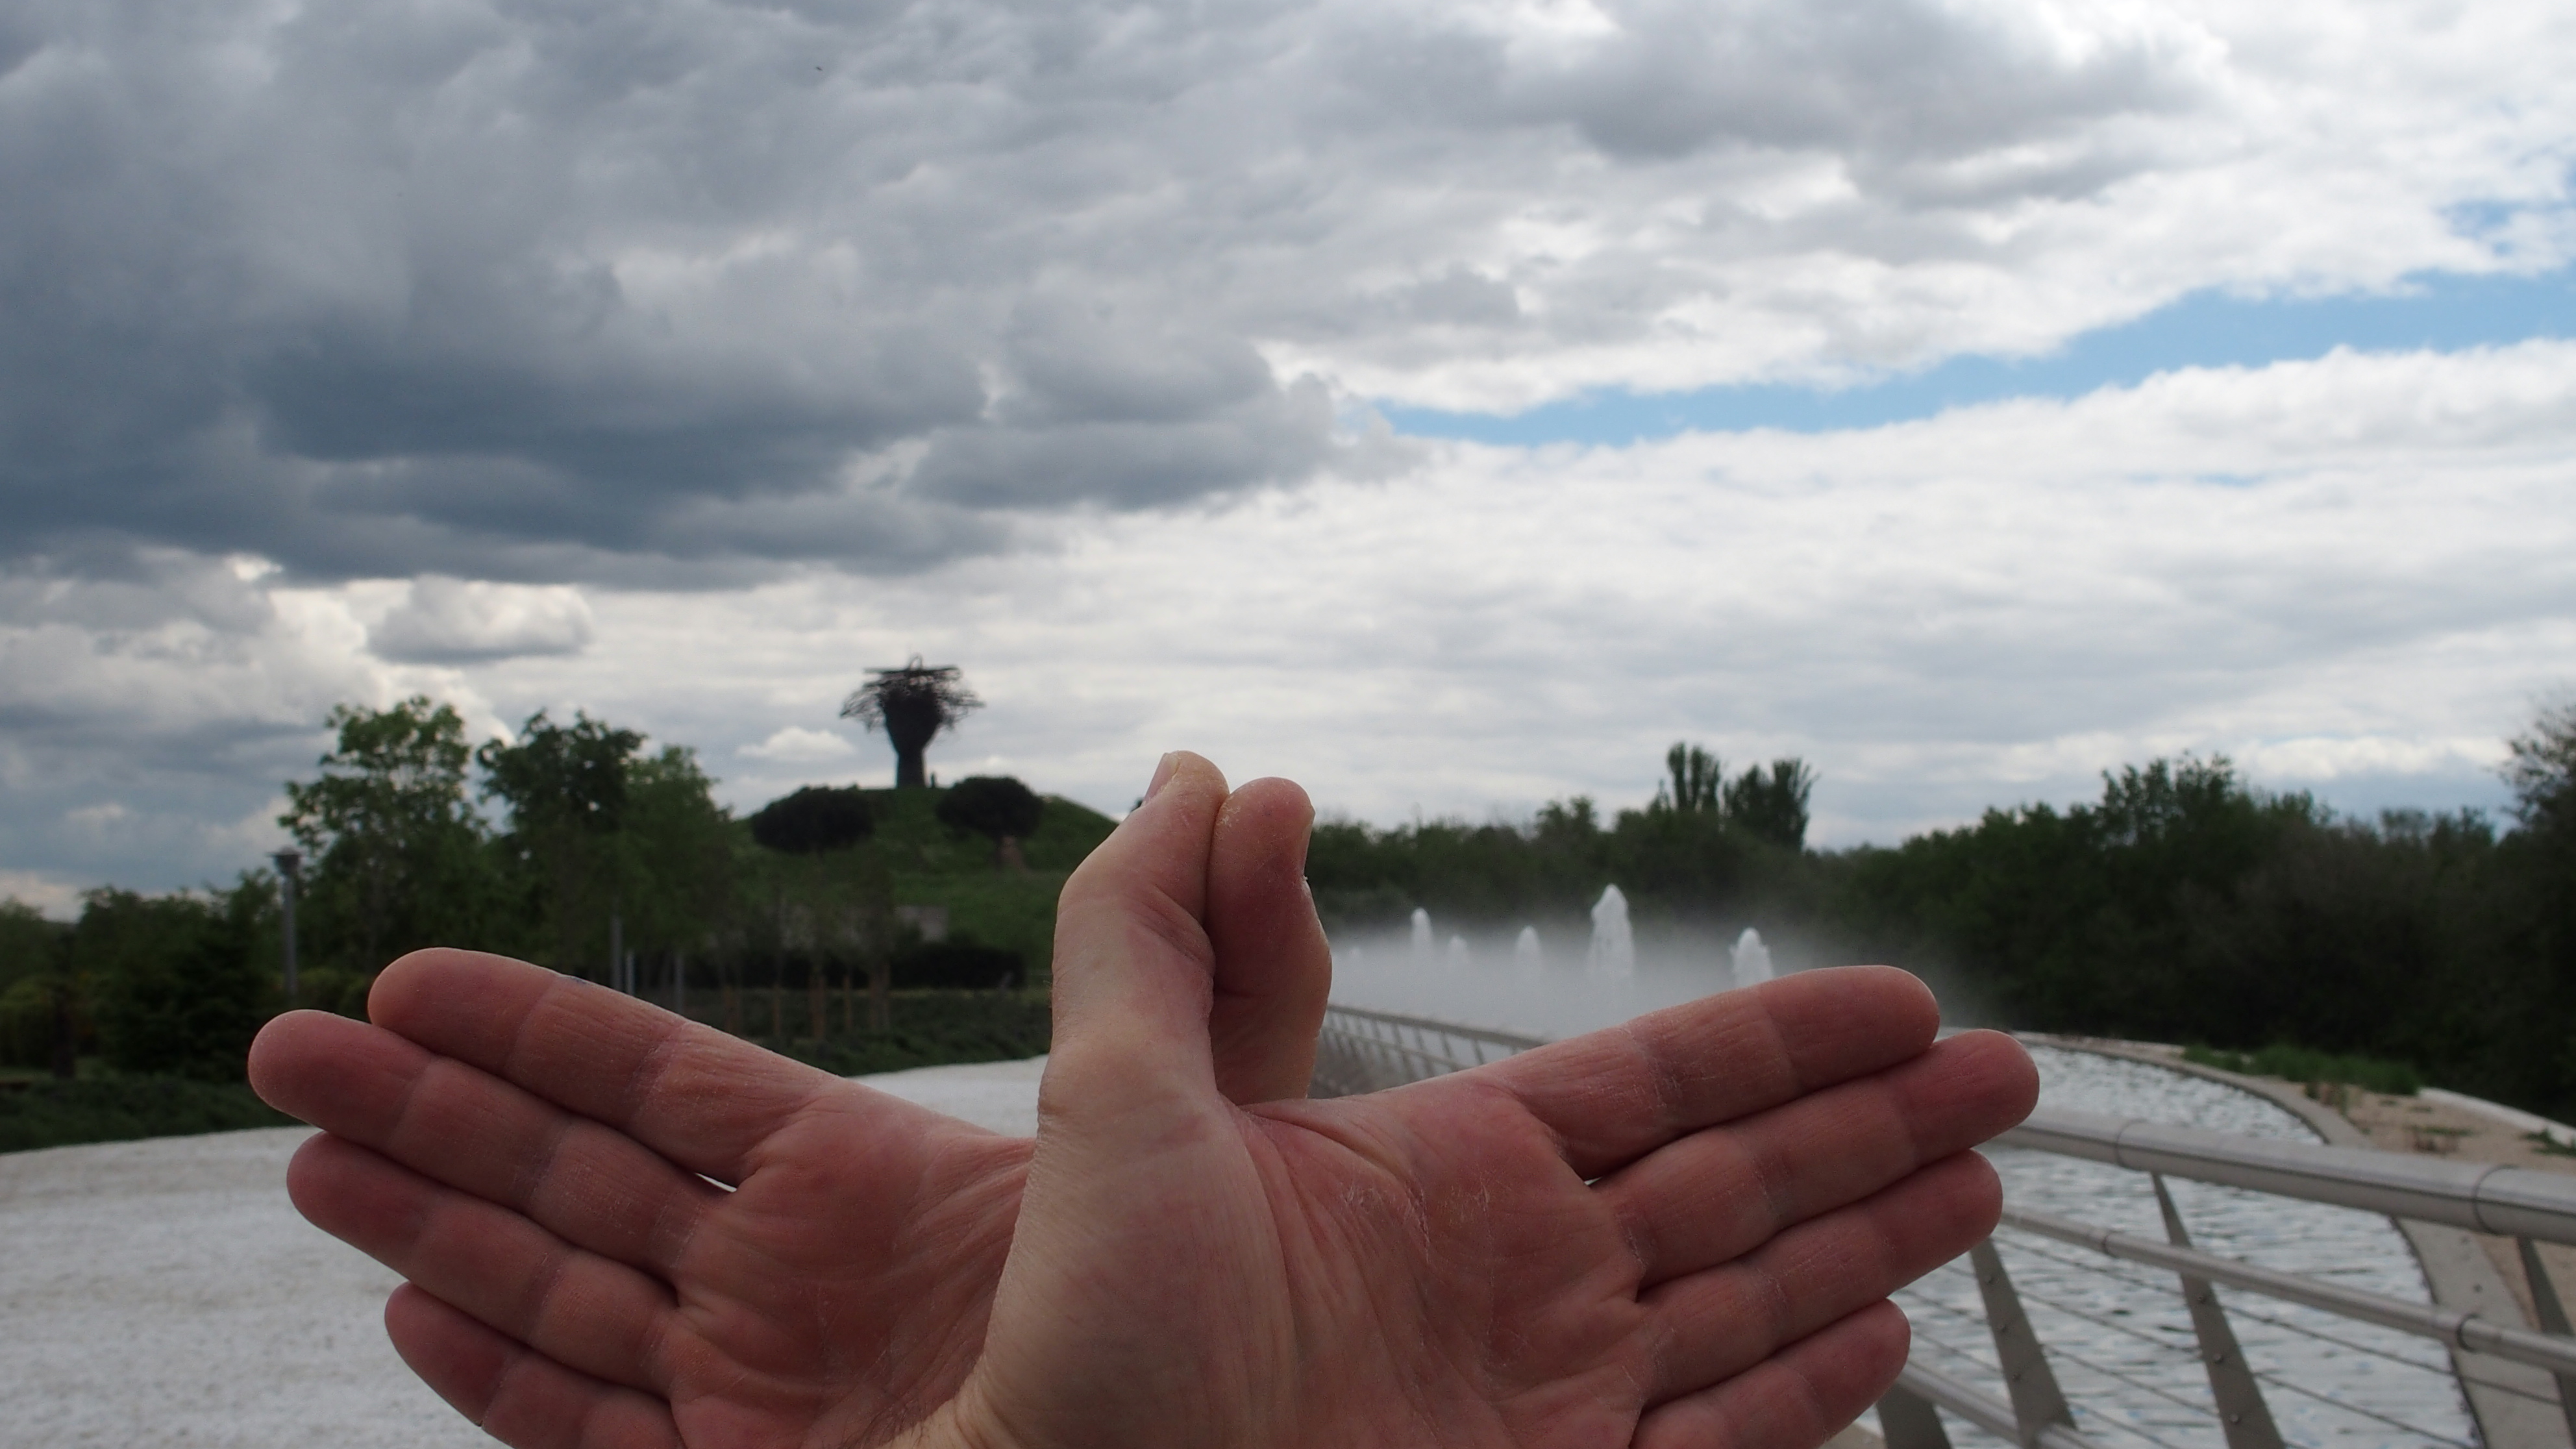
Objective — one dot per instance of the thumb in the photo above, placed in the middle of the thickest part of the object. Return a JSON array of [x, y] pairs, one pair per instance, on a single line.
[[1138, 1230], [1134, 967]]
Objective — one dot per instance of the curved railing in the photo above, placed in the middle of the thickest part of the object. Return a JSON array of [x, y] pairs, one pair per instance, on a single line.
[[1363, 1050]]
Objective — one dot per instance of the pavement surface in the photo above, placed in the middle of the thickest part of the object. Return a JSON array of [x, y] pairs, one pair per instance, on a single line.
[[165, 1293]]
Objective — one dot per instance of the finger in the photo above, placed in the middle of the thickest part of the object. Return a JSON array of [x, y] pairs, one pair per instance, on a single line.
[[1134, 969], [1718, 1323], [593, 1185], [1617, 1094], [1723, 1191], [1274, 969], [1798, 1398], [513, 1393], [701, 1098], [584, 1311]]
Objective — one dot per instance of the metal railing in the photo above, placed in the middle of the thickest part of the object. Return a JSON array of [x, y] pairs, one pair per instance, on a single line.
[[1367, 1050]]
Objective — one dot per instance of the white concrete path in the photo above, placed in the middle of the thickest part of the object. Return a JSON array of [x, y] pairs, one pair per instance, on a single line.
[[164, 1293]]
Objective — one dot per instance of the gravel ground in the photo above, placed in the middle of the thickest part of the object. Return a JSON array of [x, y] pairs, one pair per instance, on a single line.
[[165, 1293]]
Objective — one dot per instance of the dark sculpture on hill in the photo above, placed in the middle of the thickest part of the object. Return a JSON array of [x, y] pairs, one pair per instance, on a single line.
[[914, 702], [997, 807], [813, 820]]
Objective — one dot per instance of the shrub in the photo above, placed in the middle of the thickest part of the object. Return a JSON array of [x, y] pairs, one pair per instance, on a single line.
[[958, 965], [119, 1109], [813, 820], [2300, 1064]]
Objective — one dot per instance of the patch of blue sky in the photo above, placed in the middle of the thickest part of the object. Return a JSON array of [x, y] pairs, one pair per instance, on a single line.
[[2443, 313]]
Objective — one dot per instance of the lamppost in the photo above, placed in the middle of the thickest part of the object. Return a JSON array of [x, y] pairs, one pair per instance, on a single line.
[[290, 865]]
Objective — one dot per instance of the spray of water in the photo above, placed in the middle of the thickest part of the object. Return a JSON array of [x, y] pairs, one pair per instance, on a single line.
[[1752, 959], [1613, 956], [1478, 980]]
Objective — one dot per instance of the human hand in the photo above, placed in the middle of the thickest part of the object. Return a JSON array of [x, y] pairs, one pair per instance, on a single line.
[[1416, 1265], [531, 1151], [1682, 1230]]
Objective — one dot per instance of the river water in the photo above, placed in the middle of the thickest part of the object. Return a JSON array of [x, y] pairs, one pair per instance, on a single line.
[[2118, 1336]]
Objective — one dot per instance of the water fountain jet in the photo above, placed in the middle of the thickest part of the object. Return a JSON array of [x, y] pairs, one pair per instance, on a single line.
[[1752, 959], [1613, 956]]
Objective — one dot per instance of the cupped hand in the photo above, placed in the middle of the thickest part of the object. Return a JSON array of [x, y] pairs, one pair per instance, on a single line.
[[1678, 1231], [622, 1228]]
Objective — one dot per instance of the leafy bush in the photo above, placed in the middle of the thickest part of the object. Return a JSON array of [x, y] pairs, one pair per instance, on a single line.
[[958, 966], [121, 1109], [183, 990], [813, 820], [937, 1028], [2300, 1064]]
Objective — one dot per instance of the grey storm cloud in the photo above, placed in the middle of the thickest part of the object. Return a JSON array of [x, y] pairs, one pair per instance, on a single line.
[[681, 289]]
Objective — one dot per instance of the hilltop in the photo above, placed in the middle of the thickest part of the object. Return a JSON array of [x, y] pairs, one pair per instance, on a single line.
[[933, 865]]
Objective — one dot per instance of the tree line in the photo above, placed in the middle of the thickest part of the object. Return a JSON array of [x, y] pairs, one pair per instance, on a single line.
[[572, 845], [2182, 905]]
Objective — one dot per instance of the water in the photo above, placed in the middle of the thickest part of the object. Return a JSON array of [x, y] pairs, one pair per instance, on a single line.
[[2117, 1334], [1613, 956], [1751, 959]]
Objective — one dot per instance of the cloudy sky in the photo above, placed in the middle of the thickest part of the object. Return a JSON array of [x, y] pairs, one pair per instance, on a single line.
[[1448, 406]]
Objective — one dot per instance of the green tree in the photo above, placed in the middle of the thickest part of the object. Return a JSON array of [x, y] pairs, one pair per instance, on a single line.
[[183, 981], [677, 854], [914, 701], [397, 850], [828, 903], [566, 789], [1772, 804], [997, 807], [43, 1009], [813, 818], [1692, 786]]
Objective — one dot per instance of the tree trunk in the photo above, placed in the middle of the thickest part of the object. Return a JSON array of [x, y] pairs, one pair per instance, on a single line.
[[908, 771], [881, 995], [732, 1002], [1008, 851], [66, 1045], [814, 1002]]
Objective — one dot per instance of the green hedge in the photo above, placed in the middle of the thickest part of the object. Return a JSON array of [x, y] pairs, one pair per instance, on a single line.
[[2300, 1064], [935, 1029], [50, 1113]]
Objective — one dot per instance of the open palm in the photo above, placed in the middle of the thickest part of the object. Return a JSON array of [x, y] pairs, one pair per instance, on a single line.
[[1681, 1229]]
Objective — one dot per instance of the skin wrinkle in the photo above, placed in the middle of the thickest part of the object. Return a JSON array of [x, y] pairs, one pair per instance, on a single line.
[[645, 1079], [530, 1177]]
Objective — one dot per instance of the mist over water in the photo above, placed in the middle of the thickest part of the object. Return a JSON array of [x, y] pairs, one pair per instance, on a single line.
[[1549, 983]]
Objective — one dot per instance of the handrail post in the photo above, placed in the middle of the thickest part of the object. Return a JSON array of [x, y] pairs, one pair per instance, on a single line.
[[2242, 1413], [1907, 1420], [2036, 1400], [2553, 1321]]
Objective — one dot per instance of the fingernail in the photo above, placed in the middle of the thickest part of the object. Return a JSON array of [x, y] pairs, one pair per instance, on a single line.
[[1162, 772]]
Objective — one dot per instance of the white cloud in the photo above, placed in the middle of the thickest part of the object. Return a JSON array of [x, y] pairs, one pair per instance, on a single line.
[[2346, 573], [57, 898], [794, 745], [448, 621], [356, 352], [2349, 574], [689, 289]]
